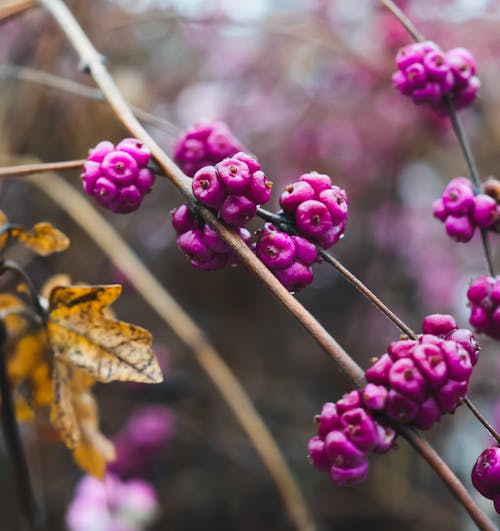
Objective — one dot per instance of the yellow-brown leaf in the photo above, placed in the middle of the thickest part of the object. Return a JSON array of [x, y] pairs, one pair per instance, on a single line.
[[43, 238], [74, 414], [82, 333]]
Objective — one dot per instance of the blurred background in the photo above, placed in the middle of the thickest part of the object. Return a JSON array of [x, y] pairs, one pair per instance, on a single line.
[[306, 86]]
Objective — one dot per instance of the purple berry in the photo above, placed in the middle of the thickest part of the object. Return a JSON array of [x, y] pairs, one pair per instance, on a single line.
[[102, 149], [432, 364], [236, 210], [438, 324], [342, 452], [294, 195], [460, 228], [374, 396], [451, 395], [359, 428], [466, 339], [335, 201], [260, 188], [234, 175], [295, 277], [183, 219], [486, 473], [191, 243], [317, 454], [328, 420], [318, 181], [401, 408], [345, 477], [386, 438], [458, 198], [458, 360], [305, 251], [312, 218], [207, 187], [428, 414], [405, 377], [120, 168], [378, 373], [276, 249], [485, 211], [349, 401], [136, 149]]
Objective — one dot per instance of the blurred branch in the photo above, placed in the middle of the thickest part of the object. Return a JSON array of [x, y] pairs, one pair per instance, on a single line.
[[93, 62], [39, 77], [120, 254], [10, 8]]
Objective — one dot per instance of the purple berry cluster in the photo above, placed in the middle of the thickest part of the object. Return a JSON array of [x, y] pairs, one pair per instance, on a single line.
[[348, 433], [461, 211], [234, 187], [427, 377], [317, 208], [484, 299], [486, 475], [427, 74], [118, 177], [200, 243], [288, 257], [204, 144]]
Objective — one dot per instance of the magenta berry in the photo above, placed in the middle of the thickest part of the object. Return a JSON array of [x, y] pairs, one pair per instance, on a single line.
[[359, 428], [118, 177], [484, 301], [345, 477], [204, 144], [317, 454], [288, 257], [423, 378], [438, 324], [200, 243], [486, 473], [426, 74], [207, 187], [317, 208], [235, 187]]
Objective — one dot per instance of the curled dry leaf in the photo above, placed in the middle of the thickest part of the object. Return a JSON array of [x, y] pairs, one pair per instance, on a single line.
[[74, 414], [83, 334], [43, 238]]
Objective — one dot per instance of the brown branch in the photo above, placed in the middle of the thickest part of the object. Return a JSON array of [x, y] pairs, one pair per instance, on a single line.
[[120, 254], [93, 61], [29, 169]]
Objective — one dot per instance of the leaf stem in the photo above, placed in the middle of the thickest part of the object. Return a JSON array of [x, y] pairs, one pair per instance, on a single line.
[[10, 265], [13, 442]]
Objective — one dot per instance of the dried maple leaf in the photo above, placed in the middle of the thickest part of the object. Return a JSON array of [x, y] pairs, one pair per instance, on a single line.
[[82, 333], [74, 414], [43, 238]]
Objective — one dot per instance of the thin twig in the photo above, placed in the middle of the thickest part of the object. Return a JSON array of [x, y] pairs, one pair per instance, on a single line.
[[25, 494], [350, 277], [405, 21], [29, 169], [120, 254], [93, 60], [457, 128], [39, 77], [482, 420]]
